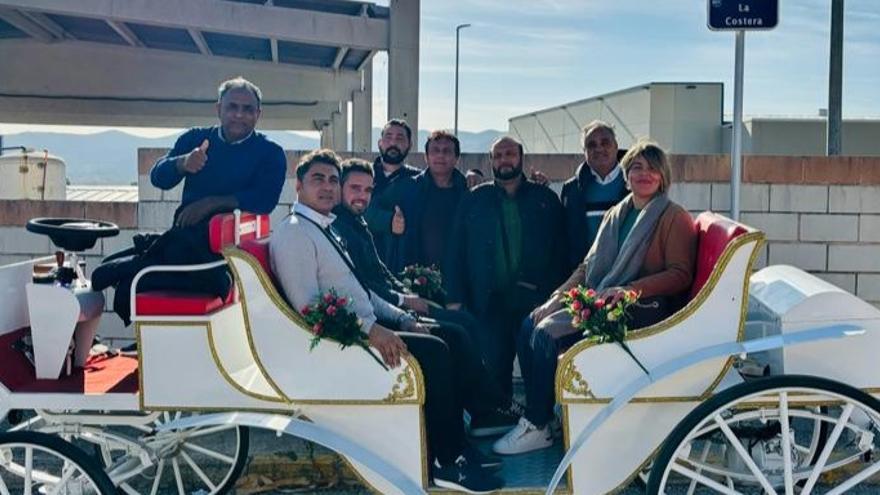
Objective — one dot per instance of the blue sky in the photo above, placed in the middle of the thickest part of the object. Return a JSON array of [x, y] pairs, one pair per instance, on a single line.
[[520, 56], [524, 55]]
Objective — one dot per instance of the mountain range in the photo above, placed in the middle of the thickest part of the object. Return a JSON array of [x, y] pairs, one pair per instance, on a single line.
[[110, 157]]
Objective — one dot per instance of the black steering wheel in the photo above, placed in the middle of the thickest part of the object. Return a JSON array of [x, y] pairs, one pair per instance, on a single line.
[[72, 234]]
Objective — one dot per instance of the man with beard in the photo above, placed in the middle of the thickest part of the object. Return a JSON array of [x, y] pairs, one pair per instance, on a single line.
[[506, 255], [597, 185], [481, 396], [384, 217]]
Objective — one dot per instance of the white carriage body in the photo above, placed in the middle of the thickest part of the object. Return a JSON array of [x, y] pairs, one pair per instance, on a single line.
[[252, 355]]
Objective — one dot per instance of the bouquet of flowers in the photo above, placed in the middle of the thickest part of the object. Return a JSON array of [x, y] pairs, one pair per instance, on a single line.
[[600, 320], [425, 282], [331, 318]]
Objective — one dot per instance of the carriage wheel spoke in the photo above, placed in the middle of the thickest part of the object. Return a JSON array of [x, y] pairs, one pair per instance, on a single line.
[[28, 469], [210, 453], [201, 474], [738, 446], [66, 472], [703, 456], [3, 489], [693, 475], [786, 443], [829, 446], [177, 477], [159, 470], [209, 431]]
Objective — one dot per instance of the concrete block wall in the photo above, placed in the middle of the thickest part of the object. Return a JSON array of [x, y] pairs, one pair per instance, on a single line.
[[821, 214]]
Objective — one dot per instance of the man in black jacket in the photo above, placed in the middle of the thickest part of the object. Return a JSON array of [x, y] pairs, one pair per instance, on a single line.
[[428, 202], [487, 405], [507, 254], [384, 217], [597, 185]]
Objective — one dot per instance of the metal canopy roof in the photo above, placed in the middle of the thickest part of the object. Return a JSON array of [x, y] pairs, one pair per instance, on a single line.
[[141, 46], [25, 19]]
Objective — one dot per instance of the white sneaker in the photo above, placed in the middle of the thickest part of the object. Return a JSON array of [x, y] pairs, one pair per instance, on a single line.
[[524, 437]]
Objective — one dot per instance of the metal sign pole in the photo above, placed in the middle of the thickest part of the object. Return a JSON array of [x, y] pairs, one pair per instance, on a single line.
[[736, 144]]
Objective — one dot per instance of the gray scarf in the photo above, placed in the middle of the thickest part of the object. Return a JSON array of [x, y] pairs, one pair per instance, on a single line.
[[610, 265]]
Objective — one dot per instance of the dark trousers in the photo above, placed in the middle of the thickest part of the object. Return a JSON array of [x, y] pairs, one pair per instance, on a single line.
[[538, 348], [497, 340], [443, 416], [178, 246]]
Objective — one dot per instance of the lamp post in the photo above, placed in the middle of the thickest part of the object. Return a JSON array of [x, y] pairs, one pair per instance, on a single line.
[[457, 36]]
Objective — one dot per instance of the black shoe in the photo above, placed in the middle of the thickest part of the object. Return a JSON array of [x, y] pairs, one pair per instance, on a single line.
[[476, 457], [495, 422], [464, 477]]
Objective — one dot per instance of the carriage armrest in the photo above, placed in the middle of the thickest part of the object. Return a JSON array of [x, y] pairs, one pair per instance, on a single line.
[[594, 373]]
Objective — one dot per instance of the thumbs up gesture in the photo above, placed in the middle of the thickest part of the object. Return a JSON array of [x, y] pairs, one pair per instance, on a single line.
[[195, 160], [398, 223]]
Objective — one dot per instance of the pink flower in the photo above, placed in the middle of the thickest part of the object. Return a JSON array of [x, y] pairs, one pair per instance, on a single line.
[[306, 310], [421, 281], [331, 310], [585, 313], [316, 328], [590, 293], [577, 305], [341, 302], [329, 298], [573, 293], [598, 303], [575, 321]]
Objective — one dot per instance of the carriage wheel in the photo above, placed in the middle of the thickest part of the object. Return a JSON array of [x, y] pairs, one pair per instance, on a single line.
[[141, 460], [32, 462], [762, 436]]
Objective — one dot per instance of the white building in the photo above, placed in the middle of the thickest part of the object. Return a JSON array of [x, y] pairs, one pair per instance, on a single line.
[[685, 118]]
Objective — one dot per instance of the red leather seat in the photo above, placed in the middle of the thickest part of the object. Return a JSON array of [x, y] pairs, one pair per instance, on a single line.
[[714, 233], [221, 234]]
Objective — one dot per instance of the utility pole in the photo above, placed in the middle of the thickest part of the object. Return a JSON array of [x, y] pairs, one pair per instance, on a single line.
[[457, 37], [835, 81]]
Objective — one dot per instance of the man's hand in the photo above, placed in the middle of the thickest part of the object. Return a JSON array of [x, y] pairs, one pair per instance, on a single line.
[[195, 160], [538, 177], [197, 211], [388, 343], [415, 327], [398, 223], [548, 308], [415, 303]]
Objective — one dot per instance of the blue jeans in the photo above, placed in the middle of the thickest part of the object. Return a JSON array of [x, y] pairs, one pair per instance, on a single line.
[[538, 348]]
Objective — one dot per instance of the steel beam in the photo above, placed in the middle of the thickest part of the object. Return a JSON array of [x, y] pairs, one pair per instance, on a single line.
[[26, 25], [200, 42], [125, 32]]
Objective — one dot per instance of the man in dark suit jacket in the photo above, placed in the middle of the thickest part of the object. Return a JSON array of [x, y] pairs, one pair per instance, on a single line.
[[507, 253]]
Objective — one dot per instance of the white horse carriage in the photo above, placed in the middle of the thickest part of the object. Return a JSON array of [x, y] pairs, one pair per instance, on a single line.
[[174, 416]]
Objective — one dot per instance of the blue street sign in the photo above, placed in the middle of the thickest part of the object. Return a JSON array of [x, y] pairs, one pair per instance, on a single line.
[[746, 15]]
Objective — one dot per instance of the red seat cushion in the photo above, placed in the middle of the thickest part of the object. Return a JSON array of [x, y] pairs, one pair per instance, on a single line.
[[177, 303], [714, 233]]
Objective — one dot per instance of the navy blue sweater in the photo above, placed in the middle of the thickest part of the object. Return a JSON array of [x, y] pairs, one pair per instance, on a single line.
[[253, 170]]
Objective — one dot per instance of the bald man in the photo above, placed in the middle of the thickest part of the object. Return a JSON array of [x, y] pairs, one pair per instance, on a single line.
[[507, 252]]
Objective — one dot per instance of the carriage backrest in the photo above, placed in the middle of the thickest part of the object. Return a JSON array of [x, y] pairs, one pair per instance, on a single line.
[[222, 231], [714, 233]]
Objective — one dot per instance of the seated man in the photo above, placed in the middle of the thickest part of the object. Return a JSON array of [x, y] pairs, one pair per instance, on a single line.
[[489, 411], [309, 259], [222, 168]]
